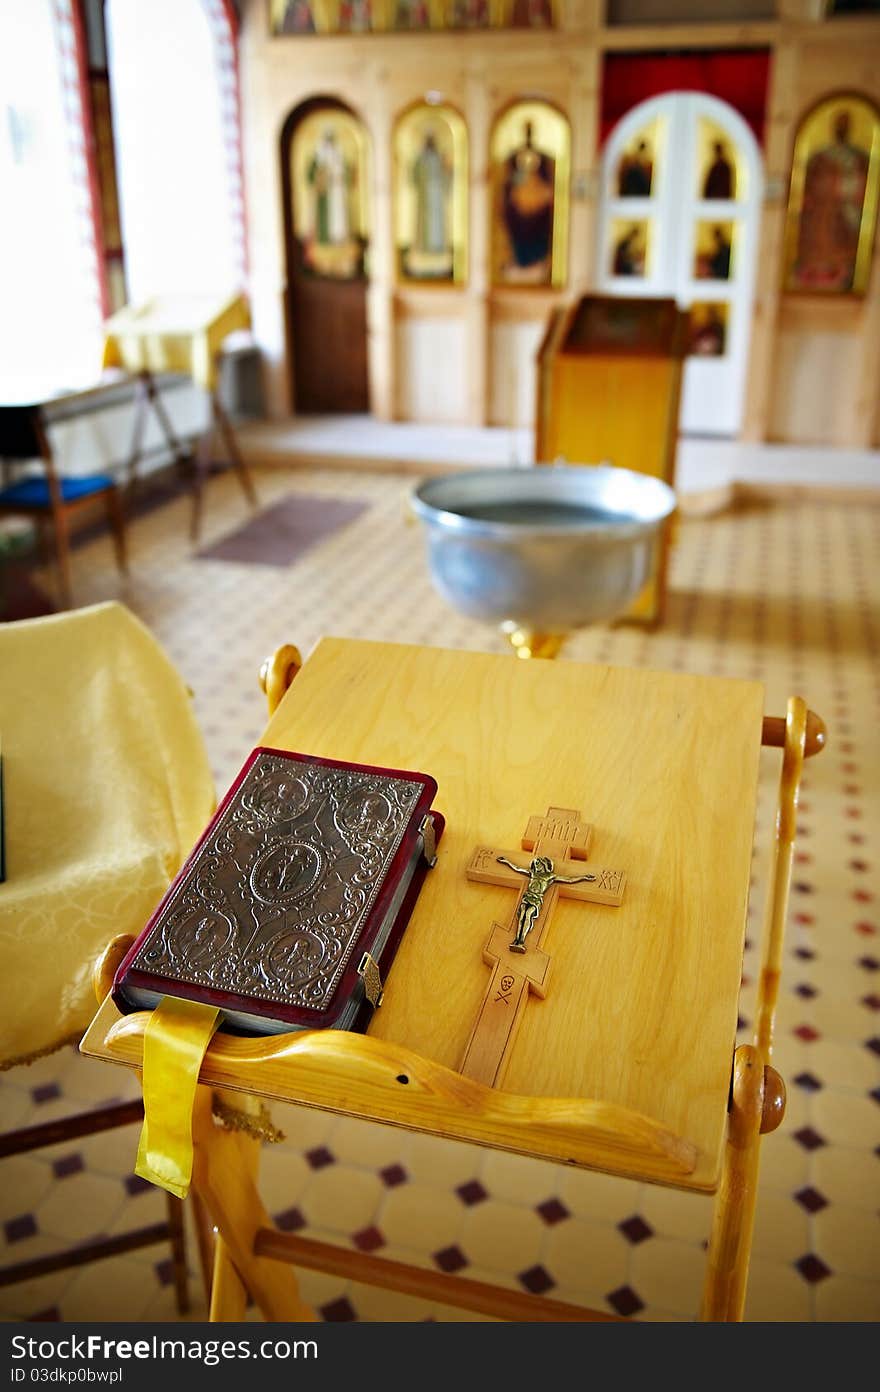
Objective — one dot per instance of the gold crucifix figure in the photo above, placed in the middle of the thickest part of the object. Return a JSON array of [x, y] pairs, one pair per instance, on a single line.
[[541, 875], [556, 843]]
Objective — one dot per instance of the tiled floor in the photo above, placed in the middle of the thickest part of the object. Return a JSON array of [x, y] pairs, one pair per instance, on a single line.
[[785, 593]]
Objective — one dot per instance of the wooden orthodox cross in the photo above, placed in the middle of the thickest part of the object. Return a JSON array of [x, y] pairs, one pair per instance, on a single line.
[[559, 843]]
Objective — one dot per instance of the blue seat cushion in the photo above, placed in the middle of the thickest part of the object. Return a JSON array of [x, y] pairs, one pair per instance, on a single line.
[[34, 492]]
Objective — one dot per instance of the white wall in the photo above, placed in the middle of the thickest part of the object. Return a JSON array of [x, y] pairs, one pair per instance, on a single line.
[[432, 371]]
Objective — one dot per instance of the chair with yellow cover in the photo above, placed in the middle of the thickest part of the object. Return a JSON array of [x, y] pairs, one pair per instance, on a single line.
[[106, 785]]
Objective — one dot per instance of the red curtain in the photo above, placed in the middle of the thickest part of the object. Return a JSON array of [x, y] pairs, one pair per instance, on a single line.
[[737, 76]]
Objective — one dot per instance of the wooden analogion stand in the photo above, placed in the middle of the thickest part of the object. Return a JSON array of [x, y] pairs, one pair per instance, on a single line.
[[609, 383], [638, 790]]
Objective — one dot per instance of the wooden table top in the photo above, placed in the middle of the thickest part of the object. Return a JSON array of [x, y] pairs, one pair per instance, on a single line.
[[642, 1005], [626, 1065]]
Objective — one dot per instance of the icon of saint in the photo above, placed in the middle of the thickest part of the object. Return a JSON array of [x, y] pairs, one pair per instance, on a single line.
[[297, 18], [527, 210], [835, 183], [532, 14], [329, 176], [470, 14], [429, 254], [708, 334], [714, 264], [720, 181], [355, 17], [629, 254], [412, 14], [432, 177], [636, 173]]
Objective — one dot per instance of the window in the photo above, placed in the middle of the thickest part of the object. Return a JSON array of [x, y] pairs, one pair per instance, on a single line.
[[177, 173], [50, 326]]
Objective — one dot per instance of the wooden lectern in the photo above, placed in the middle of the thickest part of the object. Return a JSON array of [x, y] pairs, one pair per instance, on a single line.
[[609, 381], [628, 1063]]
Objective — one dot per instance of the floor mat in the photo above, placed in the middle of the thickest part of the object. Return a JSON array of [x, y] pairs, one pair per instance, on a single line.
[[282, 534]]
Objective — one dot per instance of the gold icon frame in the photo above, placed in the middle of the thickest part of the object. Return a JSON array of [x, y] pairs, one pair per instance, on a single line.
[[812, 135]]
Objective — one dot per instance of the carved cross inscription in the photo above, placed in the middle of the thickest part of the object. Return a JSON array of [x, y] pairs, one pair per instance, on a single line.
[[519, 967]]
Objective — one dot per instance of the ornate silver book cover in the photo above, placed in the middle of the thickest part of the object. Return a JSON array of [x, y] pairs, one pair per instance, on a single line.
[[272, 903]]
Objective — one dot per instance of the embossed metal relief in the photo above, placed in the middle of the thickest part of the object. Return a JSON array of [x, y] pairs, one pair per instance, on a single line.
[[279, 894]]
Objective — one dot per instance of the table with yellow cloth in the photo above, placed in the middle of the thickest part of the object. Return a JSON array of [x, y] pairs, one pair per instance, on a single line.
[[174, 333], [180, 333], [106, 787]]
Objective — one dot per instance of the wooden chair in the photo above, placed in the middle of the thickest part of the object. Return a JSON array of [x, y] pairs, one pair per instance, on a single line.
[[51, 499], [629, 1065]]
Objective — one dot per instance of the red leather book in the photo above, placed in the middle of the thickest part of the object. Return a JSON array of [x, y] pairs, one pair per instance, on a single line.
[[289, 911]]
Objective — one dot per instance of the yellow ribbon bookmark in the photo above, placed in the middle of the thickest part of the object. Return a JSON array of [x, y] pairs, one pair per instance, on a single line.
[[175, 1042]]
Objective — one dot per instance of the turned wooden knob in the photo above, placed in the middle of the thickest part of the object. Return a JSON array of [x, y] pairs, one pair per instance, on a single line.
[[773, 1104], [773, 733], [107, 965], [757, 1097], [277, 672]]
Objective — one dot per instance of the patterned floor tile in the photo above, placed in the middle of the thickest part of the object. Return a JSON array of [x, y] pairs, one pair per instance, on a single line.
[[586, 1256], [501, 1235], [420, 1215], [846, 1298], [849, 1240], [342, 1198], [782, 1230], [119, 1288], [81, 1207], [776, 1291], [26, 1180], [26, 1298], [669, 1274]]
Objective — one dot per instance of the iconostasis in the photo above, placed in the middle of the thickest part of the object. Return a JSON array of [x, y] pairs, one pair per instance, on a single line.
[[440, 197], [301, 17]]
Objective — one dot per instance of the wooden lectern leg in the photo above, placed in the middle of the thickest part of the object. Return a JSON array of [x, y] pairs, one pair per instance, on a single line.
[[225, 1167], [757, 1102], [205, 1241], [229, 1296], [757, 1106], [727, 1268]]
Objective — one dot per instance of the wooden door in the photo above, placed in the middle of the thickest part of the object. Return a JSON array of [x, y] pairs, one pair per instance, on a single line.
[[327, 343], [326, 246], [681, 202]]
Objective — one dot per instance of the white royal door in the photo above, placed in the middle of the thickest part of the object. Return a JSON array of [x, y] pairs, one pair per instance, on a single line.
[[681, 199]]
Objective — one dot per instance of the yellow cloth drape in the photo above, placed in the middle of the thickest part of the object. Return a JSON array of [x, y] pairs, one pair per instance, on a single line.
[[174, 333], [106, 788], [178, 1033]]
